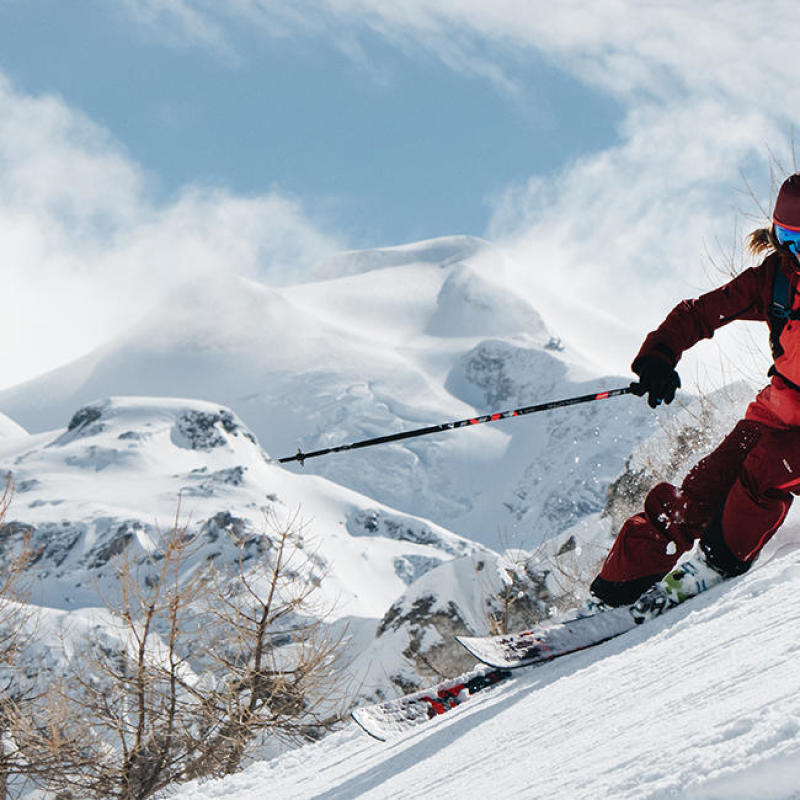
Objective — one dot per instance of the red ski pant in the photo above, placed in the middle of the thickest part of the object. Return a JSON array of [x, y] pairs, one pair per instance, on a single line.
[[750, 479]]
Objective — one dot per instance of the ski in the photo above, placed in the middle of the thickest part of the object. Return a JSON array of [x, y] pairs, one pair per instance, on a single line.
[[546, 642], [552, 640], [392, 717], [500, 655]]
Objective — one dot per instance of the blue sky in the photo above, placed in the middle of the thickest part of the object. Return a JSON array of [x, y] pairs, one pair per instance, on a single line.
[[616, 153], [391, 147]]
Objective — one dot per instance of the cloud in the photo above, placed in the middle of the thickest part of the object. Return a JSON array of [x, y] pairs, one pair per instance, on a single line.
[[626, 233], [623, 47], [610, 242], [87, 249], [178, 23], [707, 90]]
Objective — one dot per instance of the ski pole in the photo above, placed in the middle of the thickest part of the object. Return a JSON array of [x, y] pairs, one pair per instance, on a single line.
[[462, 423]]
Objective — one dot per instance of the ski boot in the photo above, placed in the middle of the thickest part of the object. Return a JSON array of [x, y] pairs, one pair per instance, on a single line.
[[687, 580]]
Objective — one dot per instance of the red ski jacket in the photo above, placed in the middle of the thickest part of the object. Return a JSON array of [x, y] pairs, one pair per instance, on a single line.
[[748, 296]]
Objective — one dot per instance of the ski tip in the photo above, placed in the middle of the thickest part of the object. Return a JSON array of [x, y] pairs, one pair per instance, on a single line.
[[476, 647], [465, 641], [354, 715]]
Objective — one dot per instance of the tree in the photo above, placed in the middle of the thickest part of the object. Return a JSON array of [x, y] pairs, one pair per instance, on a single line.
[[16, 695], [117, 724], [198, 664], [275, 661]]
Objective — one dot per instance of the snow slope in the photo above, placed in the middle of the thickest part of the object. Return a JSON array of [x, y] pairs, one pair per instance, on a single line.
[[703, 704], [404, 337]]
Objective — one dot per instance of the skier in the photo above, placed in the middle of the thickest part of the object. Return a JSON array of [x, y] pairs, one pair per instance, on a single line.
[[734, 499]]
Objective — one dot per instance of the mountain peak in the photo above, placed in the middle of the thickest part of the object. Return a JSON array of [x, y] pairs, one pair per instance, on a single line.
[[442, 251]]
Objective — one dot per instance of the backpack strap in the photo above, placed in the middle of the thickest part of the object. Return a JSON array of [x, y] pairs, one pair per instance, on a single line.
[[782, 296], [780, 309]]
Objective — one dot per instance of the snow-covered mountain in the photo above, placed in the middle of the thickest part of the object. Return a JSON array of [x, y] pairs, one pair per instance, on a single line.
[[403, 337], [112, 482], [117, 474]]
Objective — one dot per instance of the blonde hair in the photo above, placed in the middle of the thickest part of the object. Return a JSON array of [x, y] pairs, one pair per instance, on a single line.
[[763, 240]]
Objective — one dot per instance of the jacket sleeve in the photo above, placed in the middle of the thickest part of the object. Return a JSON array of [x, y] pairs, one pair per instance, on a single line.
[[747, 296]]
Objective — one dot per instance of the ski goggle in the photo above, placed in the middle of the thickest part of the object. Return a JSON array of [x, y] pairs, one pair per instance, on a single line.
[[788, 238]]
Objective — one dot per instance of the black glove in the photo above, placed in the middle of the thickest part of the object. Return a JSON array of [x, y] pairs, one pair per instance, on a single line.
[[657, 379]]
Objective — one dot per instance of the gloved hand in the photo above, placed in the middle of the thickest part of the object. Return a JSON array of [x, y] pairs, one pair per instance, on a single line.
[[657, 379]]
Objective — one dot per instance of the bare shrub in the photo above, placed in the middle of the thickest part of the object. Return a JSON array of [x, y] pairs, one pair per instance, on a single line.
[[17, 556], [276, 661], [117, 724], [16, 696], [195, 667], [523, 598], [544, 582], [683, 439]]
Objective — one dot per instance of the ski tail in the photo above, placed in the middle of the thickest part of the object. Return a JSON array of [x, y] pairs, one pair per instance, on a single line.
[[390, 718]]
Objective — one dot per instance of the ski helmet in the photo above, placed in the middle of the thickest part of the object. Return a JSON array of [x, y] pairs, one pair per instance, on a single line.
[[787, 206]]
